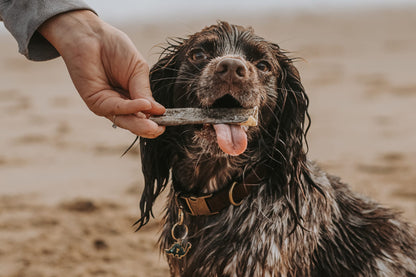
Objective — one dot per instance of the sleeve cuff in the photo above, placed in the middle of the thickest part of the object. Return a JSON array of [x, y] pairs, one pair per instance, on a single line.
[[23, 18]]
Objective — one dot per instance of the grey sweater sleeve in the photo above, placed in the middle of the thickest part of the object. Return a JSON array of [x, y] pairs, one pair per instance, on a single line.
[[23, 17]]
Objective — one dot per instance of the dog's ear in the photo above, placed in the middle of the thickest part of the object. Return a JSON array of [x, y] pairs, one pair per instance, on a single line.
[[289, 128], [290, 122], [157, 154], [165, 72], [292, 118]]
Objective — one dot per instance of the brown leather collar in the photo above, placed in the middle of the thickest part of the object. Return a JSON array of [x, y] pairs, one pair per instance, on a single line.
[[215, 202]]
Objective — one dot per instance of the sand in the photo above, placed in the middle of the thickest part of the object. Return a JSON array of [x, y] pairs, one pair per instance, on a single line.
[[68, 201]]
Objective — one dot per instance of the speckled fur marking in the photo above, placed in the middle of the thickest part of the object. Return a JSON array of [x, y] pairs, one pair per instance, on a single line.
[[301, 221]]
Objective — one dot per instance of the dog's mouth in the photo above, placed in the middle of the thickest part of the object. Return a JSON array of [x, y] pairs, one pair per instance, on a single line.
[[227, 101], [231, 138]]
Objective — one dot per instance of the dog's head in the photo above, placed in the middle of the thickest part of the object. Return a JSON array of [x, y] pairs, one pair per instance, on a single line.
[[226, 66]]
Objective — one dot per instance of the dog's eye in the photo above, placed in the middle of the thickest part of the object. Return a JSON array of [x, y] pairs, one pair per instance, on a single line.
[[198, 55], [263, 66]]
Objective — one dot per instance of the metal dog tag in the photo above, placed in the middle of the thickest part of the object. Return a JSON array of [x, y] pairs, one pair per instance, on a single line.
[[178, 249]]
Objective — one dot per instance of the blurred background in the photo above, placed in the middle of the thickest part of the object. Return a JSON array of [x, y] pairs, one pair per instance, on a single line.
[[67, 199]]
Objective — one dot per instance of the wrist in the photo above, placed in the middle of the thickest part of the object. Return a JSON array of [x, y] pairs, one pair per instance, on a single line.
[[66, 29]]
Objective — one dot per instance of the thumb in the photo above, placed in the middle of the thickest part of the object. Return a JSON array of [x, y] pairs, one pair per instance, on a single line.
[[139, 87]]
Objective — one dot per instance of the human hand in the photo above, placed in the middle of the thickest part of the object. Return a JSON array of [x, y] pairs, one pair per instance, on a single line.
[[107, 70]]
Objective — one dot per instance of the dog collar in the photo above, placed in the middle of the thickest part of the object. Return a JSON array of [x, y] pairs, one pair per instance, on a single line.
[[215, 202]]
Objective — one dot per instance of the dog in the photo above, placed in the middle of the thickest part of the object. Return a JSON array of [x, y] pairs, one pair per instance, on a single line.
[[248, 202]]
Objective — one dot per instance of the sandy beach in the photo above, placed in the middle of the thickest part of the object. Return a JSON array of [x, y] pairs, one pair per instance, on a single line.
[[68, 200]]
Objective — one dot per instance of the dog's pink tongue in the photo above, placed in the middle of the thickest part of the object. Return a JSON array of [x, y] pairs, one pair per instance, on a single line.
[[231, 138]]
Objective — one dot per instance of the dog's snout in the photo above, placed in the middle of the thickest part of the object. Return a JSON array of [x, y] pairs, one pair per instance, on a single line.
[[231, 70]]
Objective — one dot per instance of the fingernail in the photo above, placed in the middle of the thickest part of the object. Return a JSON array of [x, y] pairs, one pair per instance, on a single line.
[[161, 129], [159, 106], [155, 134], [141, 115]]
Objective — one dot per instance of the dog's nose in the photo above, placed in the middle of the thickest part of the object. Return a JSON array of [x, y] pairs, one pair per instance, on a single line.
[[231, 70]]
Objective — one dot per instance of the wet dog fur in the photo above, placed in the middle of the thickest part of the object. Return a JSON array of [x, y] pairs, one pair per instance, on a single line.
[[300, 221]]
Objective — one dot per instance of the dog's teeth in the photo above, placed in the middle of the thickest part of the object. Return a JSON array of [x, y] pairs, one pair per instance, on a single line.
[[245, 128]]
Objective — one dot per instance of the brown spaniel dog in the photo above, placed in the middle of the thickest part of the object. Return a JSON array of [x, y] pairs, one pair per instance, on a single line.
[[248, 202]]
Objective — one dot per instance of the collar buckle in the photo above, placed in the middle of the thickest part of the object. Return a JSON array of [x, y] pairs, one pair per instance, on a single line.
[[231, 197], [215, 202], [198, 205]]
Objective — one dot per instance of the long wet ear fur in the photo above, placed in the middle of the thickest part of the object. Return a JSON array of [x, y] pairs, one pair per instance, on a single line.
[[291, 115], [287, 133], [157, 154]]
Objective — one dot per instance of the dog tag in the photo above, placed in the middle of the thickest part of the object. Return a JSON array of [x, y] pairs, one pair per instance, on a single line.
[[178, 249], [179, 231]]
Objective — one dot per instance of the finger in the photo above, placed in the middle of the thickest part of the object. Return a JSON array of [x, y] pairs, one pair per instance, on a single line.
[[157, 108], [117, 105], [139, 126], [139, 87], [142, 115], [139, 83]]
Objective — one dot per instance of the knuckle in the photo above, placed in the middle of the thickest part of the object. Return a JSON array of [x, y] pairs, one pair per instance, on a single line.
[[96, 110], [142, 66]]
